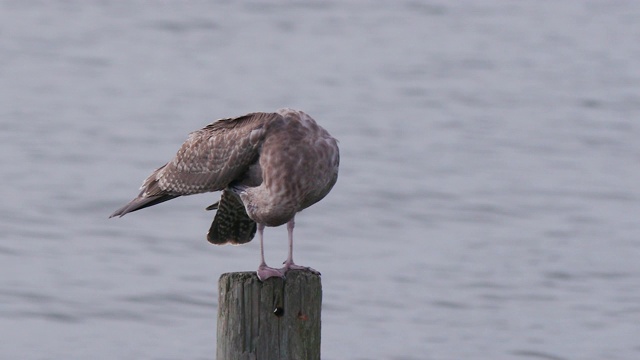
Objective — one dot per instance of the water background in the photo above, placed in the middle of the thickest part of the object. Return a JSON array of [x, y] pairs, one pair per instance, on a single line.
[[488, 201]]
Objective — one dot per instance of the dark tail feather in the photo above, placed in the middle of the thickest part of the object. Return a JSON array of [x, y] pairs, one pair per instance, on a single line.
[[213, 206], [141, 203], [231, 223]]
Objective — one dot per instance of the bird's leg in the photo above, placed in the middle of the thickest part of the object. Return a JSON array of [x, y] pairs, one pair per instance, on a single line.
[[264, 272], [289, 264]]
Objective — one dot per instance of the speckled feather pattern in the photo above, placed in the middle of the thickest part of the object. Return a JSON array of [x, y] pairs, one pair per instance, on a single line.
[[299, 160], [282, 162], [211, 158], [231, 224]]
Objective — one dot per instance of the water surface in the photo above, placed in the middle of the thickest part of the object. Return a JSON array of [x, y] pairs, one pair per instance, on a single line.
[[488, 198]]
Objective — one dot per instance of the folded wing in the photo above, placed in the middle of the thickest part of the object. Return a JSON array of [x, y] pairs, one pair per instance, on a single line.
[[209, 160]]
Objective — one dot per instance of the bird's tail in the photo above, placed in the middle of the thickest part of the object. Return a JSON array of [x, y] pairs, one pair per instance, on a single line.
[[231, 223]]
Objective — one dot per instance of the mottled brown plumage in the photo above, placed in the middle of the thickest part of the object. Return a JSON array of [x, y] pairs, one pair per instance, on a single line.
[[231, 223], [269, 165]]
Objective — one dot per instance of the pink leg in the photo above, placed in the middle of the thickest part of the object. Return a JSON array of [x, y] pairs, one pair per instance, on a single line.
[[265, 272], [289, 264]]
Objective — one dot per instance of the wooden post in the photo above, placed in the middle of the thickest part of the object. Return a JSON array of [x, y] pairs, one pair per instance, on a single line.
[[276, 319]]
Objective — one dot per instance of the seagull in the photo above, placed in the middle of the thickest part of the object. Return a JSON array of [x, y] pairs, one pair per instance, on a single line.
[[269, 167]]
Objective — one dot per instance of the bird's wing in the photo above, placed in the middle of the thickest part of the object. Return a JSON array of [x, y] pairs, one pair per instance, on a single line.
[[209, 160]]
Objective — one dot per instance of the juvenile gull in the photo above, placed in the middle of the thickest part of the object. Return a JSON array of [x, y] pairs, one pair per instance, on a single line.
[[269, 166]]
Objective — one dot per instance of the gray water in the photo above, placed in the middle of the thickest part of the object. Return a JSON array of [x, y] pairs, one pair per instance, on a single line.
[[488, 201]]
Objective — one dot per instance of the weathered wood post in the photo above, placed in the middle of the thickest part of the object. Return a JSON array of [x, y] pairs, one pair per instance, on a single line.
[[276, 319]]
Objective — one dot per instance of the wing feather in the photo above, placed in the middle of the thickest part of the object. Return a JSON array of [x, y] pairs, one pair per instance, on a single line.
[[209, 160], [212, 157]]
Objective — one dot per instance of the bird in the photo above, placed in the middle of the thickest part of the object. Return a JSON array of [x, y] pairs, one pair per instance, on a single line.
[[268, 166]]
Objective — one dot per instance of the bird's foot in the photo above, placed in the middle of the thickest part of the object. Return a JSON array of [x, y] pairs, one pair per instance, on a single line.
[[265, 272], [292, 266]]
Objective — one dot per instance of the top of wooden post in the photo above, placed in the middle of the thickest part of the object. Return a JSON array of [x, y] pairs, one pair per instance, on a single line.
[[275, 319]]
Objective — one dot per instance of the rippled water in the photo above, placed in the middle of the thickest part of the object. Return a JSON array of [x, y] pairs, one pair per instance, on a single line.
[[488, 199]]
